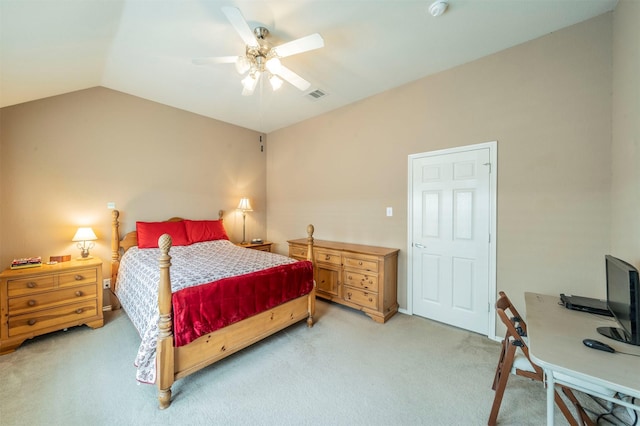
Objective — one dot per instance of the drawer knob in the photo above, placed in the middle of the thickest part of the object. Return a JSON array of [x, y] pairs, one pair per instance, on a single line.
[[79, 310], [31, 321], [79, 277], [327, 257], [31, 303], [360, 263], [78, 293], [31, 284], [349, 296]]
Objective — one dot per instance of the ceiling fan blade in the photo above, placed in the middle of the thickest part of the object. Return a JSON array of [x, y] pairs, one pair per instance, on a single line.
[[238, 22], [215, 60], [304, 44], [293, 78]]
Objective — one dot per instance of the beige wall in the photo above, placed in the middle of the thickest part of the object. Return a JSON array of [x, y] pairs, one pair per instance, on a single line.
[[63, 158], [625, 193], [546, 102]]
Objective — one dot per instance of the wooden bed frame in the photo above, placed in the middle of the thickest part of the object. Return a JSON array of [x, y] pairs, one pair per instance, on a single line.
[[173, 363]]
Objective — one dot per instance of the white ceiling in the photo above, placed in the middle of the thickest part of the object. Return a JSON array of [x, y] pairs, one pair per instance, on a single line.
[[144, 48]]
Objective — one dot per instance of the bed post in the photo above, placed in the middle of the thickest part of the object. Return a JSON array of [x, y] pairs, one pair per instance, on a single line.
[[312, 295], [115, 257], [164, 353], [115, 246]]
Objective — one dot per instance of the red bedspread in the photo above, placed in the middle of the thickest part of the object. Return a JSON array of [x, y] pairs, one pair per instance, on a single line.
[[206, 308]]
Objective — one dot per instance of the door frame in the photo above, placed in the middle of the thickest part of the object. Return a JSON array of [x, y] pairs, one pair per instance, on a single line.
[[493, 203]]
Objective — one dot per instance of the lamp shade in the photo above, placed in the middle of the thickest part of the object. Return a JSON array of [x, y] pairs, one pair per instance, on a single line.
[[84, 234], [245, 205]]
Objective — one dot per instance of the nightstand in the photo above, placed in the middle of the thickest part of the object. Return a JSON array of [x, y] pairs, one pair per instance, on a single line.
[[39, 300], [263, 246]]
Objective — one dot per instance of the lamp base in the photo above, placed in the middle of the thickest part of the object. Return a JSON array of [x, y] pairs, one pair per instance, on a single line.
[[84, 258]]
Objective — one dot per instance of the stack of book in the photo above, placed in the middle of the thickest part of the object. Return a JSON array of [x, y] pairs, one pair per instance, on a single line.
[[28, 262]]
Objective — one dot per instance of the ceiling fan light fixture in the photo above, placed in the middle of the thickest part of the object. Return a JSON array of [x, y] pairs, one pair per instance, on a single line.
[[274, 65], [249, 82], [242, 64], [276, 82]]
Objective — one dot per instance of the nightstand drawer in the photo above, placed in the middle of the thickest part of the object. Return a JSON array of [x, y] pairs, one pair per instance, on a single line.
[[359, 297], [363, 281], [30, 285], [361, 263], [83, 276], [29, 303], [36, 321]]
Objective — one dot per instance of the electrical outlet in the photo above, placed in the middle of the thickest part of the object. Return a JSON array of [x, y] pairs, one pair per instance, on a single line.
[[106, 283]]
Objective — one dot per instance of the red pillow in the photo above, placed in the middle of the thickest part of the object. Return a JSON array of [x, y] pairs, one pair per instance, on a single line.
[[149, 232], [205, 230]]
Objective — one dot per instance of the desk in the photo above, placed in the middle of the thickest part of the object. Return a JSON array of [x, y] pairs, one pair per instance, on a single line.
[[555, 344]]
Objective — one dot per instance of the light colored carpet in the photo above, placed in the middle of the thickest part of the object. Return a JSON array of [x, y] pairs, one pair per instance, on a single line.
[[346, 370]]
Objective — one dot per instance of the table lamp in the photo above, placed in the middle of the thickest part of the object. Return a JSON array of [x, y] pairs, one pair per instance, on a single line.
[[85, 238], [244, 206]]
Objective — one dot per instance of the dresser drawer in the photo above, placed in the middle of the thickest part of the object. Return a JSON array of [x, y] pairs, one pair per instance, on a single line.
[[298, 252], [361, 263], [360, 297], [328, 256], [29, 303], [82, 276], [363, 281], [36, 321], [30, 285]]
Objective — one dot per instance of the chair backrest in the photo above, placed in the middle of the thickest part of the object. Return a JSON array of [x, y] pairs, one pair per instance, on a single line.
[[516, 327], [504, 303]]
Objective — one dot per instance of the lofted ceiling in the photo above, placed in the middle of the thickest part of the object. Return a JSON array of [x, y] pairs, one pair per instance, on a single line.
[[145, 48]]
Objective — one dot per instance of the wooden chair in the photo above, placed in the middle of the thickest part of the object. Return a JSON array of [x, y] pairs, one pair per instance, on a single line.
[[514, 359]]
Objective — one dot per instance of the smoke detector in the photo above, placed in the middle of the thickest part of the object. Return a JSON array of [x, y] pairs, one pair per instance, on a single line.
[[438, 7]]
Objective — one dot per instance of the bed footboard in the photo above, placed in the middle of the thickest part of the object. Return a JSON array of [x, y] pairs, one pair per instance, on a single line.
[[173, 363]]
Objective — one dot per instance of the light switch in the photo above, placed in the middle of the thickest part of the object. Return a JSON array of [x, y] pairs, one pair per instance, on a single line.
[[389, 211], [111, 205]]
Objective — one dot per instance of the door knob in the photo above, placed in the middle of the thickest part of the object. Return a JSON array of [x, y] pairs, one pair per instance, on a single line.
[[420, 246]]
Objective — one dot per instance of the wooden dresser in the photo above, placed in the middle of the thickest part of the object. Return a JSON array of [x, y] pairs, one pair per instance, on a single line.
[[35, 301], [359, 276]]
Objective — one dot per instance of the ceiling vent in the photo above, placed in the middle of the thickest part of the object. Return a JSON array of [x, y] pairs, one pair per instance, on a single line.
[[316, 94]]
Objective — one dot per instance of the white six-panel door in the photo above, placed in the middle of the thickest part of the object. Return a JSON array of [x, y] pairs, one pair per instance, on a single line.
[[450, 238]]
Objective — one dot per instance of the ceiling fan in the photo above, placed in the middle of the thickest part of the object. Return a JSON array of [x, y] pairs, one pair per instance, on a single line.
[[261, 58]]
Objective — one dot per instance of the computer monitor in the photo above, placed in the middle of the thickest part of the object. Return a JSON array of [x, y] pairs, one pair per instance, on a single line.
[[623, 300]]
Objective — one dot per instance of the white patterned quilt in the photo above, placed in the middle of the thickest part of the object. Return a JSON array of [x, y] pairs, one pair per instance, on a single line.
[[139, 274]]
